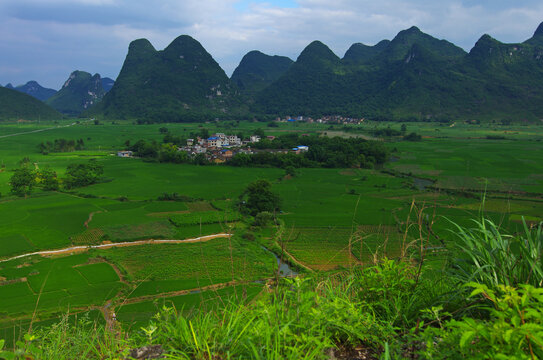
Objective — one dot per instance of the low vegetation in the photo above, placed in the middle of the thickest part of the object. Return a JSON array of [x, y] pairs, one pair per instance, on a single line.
[[390, 309], [353, 234]]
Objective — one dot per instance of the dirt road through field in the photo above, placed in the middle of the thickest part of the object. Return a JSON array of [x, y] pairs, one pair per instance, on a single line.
[[119, 244]]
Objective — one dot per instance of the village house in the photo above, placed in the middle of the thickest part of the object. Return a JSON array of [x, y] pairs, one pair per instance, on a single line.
[[125, 153]]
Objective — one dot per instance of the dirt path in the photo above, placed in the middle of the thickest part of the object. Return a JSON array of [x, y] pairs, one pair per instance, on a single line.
[[90, 218], [84, 248], [40, 130], [294, 260], [185, 292]]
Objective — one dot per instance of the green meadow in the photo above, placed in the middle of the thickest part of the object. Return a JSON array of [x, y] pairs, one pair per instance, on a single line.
[[329, 218]]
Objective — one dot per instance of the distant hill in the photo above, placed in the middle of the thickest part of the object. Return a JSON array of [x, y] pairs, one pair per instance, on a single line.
[[34, 89], [360, 53], [414, 76], [15, 105], [9, 86], [257, 70], [81, 91], [107, 83], [180, 83]]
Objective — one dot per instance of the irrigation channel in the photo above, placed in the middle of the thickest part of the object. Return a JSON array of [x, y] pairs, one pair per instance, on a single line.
[[422, 184], [283, 268]]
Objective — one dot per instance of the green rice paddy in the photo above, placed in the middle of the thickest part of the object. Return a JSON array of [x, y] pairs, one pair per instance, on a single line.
[[329, 217]]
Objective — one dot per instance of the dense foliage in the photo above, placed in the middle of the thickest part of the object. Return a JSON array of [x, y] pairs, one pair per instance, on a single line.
[[83, 174], [61, 145], [258, 197], [323, 151], [257, 70]]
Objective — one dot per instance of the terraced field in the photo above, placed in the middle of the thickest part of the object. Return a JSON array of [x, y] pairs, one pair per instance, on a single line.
[[329, 217]]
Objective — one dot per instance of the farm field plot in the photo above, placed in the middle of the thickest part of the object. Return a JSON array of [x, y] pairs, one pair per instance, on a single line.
[[138, 314], [53, 285], [324, 212], [58, 220], [501, 165], [332, 247], [155, 269], [139, 180], [43, 222], [329, 197]]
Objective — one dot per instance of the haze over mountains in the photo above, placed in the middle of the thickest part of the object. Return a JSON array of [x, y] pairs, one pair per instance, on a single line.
[[34, 89], [411, 77]]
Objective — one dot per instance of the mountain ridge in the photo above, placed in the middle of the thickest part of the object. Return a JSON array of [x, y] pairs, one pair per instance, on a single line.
[[15, 105], [33, 88], [180, 83], [412, 76], [80, 92]]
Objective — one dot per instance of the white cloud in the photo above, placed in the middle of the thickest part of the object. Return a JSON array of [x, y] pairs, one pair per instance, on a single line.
[[93, 35]]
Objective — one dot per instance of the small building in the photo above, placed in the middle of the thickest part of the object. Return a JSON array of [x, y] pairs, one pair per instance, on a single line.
[[233, 140], [214, 141], [303, 148], [254, 138], [227, 153], [190, 142], [125, 153]]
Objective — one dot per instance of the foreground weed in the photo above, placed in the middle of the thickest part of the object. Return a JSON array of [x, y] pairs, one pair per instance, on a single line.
[[513, 330], [82, 340], [485, 255], [300, 319]]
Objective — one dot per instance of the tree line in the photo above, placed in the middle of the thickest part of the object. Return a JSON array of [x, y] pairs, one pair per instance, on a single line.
[[25, 179], [323, 151], [61, 145], [329, 152]]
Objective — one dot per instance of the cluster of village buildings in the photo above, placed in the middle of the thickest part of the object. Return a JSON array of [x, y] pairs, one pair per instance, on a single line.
[[330, 119], [220, 147]]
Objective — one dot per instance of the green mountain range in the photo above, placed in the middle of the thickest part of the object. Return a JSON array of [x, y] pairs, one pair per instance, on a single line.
[[256, 71], [15, 105], [414, 76], [34, 89], [107, 83], [81, 91], [180, 83]]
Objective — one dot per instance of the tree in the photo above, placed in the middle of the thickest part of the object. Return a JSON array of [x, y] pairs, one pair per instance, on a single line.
[[259, 197], [48, 179], [78, 175], [22, 181]]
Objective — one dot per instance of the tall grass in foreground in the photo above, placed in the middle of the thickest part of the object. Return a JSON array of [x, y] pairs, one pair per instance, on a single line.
[[84, 339], [385, 311], [483, 254]]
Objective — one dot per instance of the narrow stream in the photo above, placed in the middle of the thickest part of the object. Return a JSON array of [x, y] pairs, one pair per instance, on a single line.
[[283, 267], [421, 184]]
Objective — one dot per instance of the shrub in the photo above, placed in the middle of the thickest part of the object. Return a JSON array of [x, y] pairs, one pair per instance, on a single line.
[[514, 329]]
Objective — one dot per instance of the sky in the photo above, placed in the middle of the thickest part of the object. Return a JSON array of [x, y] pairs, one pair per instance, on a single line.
[[45, 40]]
